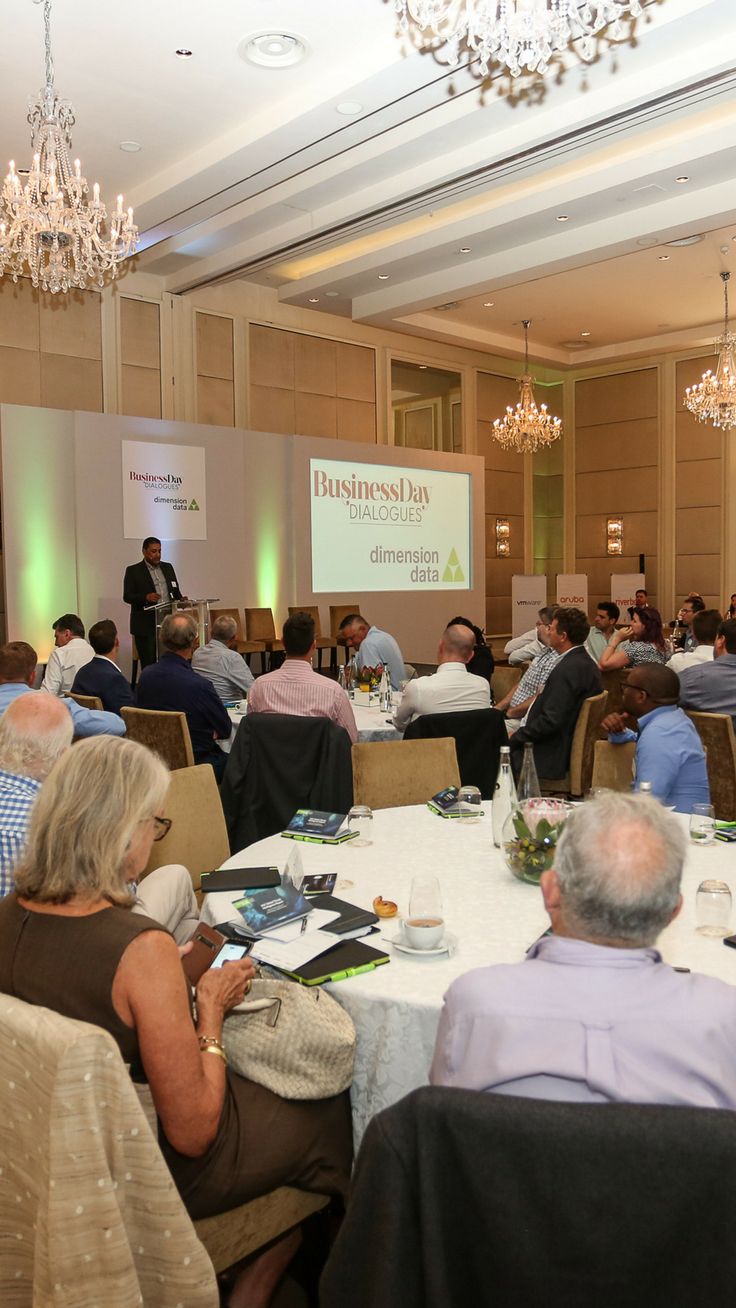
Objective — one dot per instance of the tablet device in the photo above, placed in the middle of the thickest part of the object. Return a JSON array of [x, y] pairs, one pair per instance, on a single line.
[[239, 878]]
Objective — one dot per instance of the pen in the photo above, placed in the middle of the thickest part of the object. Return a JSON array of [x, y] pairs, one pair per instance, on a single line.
[[303, 927]]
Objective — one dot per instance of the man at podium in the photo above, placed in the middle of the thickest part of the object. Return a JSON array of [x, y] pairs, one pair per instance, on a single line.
[[145, 583]]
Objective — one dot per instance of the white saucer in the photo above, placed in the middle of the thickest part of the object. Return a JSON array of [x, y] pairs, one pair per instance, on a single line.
[[446, 946]]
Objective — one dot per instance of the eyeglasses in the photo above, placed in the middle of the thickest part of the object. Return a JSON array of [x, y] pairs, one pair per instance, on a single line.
[[163, 827]]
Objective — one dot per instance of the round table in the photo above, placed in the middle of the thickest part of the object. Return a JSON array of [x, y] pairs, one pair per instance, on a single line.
[[371, 722], [494, 918]]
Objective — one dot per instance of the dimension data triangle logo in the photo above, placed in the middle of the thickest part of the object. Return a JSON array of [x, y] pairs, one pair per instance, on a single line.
[[194, 507], [453, 572]]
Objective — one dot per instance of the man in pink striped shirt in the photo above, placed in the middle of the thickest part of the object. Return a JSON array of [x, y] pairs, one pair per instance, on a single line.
[[296, 688]]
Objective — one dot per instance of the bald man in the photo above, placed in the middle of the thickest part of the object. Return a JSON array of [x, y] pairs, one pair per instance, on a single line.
[[669, 753], [451, 689], [35, 730]]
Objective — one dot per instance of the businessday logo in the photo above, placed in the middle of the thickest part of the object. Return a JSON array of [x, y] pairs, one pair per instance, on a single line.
[[161, 482]]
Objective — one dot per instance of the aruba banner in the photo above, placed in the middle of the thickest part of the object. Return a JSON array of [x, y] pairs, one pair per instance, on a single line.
[[164, 491]]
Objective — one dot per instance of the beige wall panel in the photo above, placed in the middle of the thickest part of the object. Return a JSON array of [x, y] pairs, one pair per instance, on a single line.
[[553, 397], [617, 491], [216, 401], [698, 484], [20, 376], [599, 571], [640, 534], [499, 573], [498, 614], [315, 366], [549, 461], [495, 456], [419, 428], [494, 394], [617, 445], [214, 346], [140, 335], [71, 324], [504, 493], [19, 314], [516, 539], [272, 361], [141, 392], [356, 421], [689, 372], [617, 398], [548, 496], [272, 409], [68, 383], [698, 532], [695, 440], [315, 415], [701, 572], [356, 372], [549, 537]]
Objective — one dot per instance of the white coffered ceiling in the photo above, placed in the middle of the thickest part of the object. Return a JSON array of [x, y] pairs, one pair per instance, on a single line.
[[252, 173]]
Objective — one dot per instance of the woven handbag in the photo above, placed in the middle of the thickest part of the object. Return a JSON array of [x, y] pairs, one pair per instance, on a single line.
[[297, 1042]]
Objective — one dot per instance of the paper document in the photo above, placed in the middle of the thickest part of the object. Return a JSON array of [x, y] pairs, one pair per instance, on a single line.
[[319, 917], [292, 954]]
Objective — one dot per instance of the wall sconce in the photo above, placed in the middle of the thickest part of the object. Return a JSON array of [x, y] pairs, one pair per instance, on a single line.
[[614, 536], [503, 537]]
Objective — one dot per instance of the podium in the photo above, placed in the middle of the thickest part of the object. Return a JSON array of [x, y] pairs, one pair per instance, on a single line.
[[198, 609]]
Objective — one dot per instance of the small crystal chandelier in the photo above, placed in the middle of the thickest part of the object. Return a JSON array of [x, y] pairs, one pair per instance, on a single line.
[[48, 227], [713, 400], [522, 34], [526, 427]]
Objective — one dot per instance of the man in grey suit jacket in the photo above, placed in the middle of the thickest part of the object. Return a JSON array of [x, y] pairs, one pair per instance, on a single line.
[[551, 720]]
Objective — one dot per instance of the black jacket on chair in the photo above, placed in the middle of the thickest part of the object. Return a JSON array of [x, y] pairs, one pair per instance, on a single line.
[[550, 725], [138, 583], [478, 735], [278, 763]]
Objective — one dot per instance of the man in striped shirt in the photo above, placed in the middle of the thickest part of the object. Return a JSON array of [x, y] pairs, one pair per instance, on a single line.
[[296, 688], [35, 730]]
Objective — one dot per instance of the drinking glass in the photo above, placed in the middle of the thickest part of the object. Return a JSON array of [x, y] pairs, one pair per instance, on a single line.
[[468, 803], [360, 819], [703, 824], [713, 909], [425, 900]]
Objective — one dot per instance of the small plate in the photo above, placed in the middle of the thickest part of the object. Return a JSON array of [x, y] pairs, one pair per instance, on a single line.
[[446, 946]]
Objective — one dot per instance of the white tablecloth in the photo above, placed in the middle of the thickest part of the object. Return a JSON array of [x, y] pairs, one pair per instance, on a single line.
[[494, 917], [372, 724]]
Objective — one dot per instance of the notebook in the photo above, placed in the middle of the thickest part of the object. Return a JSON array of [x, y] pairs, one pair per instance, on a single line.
[[349, 958], [320, 828], [239, 878]]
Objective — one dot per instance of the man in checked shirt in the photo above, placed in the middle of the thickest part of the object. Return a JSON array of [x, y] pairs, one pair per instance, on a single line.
[[35, 730]]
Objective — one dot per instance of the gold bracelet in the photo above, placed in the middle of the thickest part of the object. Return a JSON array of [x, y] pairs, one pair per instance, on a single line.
[[215, 1049]]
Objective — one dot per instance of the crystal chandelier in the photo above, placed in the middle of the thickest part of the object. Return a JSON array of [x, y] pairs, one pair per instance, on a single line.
[[526, 427], [522, 34], [48, 226], [713, 400]]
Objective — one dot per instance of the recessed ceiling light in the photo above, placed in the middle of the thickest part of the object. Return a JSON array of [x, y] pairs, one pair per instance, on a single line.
[[349, 107], [273, 49], [332, 295], [423, 367], [647, 240], [682, 241], [585, 333], [383, 277], [663, 258], [464, 249], [313, 299], [682, 179], [563, 217], [25, 172], [131, 147], [183, 53], [488, 304]]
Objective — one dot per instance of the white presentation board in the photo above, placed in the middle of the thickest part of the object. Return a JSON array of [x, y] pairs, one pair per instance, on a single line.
[[378, 527], [623, 590], [572, 590], [164, 491], [528, 596]]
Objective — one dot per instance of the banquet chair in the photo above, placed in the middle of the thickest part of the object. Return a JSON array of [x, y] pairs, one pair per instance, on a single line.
[[323, 642], [719, 742], [89, 1212], [259, 627], [134, 663], [614, 683], [337, 613], [490, 1200], [578, 778], [389, 774], [478, 735], [613, 765], [198, 835], [246, 647], [503, 679], [167, 734], [86, 701]]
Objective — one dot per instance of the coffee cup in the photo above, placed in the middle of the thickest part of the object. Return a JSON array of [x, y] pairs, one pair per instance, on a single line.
[[423, 932]]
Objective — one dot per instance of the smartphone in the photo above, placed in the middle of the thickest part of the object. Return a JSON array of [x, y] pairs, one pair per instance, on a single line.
[[319, 883], [207, 944], [231, 952], [730, 941]]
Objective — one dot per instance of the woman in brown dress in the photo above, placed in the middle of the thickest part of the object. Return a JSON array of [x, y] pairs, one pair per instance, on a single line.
[[69, 942]]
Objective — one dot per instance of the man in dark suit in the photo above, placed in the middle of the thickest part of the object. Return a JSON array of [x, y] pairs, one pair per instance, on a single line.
[[146, 583], [102, 676], [551, 720]]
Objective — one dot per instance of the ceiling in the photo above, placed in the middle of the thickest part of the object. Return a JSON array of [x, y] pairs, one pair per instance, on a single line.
[[253, 173]]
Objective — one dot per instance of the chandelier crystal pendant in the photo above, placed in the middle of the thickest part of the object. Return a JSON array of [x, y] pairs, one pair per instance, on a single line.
[[521, 34], [527, 427], [713, 400], [49, 228]]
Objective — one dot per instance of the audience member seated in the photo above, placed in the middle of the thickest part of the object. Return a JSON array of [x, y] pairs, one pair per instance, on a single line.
[[593, 1014], [604, 625], [524, 648], [220, 662], [295, 688], [373, 648], [69, 942], [641, 599], [683, 633], [102, 676], [481, 664], [17, 673], [669, 752], [550, 723], [642, 642], [711, 687], [35, 730], [705, 629], [451, 689], [518, 701], [172, 685], [732, 607], [70, 653]]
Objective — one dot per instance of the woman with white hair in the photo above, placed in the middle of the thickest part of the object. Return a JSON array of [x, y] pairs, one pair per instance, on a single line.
[[69, 942]]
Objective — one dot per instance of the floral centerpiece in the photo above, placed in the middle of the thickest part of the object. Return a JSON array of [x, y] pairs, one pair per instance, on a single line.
[[368, 678], [530, 835]]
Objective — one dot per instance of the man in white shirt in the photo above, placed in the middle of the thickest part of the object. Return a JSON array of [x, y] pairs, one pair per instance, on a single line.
[[522, 649], [451, 689], [71, 652], [705, 629]]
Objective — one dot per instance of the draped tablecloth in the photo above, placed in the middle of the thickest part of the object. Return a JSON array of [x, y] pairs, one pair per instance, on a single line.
[[494, 918], [372, 724]]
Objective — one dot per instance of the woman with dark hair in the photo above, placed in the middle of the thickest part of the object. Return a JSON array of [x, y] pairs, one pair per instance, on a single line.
[[732, 608], [642, 642], [481, 664]]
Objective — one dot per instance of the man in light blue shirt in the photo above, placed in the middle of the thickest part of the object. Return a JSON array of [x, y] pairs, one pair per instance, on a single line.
[[669, 752], [17, 670], [373, 647], [221, 664]]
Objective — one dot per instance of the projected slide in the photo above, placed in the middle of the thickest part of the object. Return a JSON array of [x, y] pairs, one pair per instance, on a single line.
[[378, 527]]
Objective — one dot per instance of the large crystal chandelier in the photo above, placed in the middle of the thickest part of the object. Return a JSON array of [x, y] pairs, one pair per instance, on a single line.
[[713, 400], [527, 426], [48, 226], [522, 34]]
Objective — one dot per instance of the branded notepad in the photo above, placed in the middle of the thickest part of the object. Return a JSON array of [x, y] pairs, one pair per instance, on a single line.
[[320, 828], [268, 908]]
